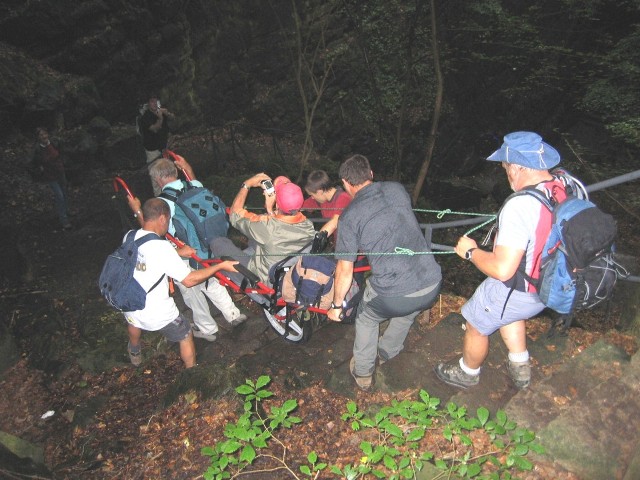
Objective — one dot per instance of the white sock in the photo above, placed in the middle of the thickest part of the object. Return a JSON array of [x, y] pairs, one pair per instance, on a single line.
[[519, 357], [469, 371]]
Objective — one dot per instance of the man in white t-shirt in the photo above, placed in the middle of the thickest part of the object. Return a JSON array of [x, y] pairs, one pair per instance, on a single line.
[[159, 259], [506, 299]]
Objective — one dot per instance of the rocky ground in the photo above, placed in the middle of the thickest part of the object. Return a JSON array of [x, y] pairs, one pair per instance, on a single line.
[[113, 421]]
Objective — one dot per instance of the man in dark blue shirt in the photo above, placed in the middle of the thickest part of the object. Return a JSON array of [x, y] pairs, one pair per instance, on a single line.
[[379, 219]]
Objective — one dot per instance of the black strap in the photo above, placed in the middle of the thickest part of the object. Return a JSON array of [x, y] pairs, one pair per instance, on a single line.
[[156, 284]]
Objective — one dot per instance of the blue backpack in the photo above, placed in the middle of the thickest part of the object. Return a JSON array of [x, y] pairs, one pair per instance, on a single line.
[[200, 216], [577, 268], [116, 282]]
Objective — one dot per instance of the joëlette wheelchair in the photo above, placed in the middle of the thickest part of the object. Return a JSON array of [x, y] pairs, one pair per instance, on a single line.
[[293, 321]]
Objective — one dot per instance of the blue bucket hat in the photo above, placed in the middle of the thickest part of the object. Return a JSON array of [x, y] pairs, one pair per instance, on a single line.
[[526, 149]]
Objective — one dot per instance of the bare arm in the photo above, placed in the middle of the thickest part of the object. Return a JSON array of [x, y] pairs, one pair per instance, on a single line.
[[136, 207], [342, 282], [241, 196], [331, 225], [198, 276], [185, 166], [500, 264]]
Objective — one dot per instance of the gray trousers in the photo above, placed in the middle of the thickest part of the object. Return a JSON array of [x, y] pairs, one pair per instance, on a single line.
[[372, 311]]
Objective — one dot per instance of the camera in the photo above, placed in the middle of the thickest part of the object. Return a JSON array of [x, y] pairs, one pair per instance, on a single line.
[[268, 187]]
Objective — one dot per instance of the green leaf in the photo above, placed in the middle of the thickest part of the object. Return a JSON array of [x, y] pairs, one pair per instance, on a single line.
[[366, 448], [244, 390], [264, 394], [473, 470], [483, 415], [312, 457], [465, 440], [230, 446], [305, 469], [501, 417], [389, 462], [289, 405], [336, 470], [209, 451], [441, 464], [393, 429], [263, 381], [248, 454], [319, 466], [351, 408], [523, 463], [521, 450], [415, 434]]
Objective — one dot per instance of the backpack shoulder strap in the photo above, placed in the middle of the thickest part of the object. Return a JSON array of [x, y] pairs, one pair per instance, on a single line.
[[141, 241], [144, 239], [535, 193]]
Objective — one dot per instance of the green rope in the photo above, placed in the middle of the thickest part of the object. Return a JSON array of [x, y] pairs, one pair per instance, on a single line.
[[398, 250]]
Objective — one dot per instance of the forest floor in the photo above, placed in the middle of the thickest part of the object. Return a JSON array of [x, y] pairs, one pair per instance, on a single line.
[[110, 424]]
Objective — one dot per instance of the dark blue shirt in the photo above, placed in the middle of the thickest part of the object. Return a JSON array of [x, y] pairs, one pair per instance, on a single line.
[[379, 219]]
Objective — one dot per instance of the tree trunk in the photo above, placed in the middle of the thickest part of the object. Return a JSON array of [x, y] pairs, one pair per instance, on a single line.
[[431, 140]]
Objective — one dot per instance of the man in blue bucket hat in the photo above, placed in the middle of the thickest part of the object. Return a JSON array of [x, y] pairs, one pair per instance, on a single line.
[[505, 299]]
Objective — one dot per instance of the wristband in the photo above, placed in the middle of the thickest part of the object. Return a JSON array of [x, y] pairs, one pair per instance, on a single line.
[[469, 253], [244, 185], [338, 307]]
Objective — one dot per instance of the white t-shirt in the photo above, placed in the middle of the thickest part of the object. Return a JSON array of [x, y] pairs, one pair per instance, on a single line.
[[524, 225], [156, 258]]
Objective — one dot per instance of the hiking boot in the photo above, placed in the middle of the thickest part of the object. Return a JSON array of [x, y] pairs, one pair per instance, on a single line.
[[209, 337], [135, 357], [238, 320], [454, 375], [364, 383], [520, 373]]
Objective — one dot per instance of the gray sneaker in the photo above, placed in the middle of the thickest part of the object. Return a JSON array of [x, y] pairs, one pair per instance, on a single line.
[[364, 383], [520, 373], [454, 375], [238, 320], [208, 337], [135, 357]]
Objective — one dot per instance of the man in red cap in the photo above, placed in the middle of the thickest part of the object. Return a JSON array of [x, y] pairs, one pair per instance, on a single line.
[[283, 230]]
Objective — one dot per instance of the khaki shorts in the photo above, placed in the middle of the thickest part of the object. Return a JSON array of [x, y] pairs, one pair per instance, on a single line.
[[484, 310]]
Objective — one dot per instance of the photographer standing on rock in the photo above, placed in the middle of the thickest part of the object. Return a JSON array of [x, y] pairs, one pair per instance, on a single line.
[[153, 126]]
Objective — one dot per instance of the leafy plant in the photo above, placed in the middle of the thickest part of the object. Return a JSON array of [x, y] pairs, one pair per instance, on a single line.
[[395, 448], [252, 432]]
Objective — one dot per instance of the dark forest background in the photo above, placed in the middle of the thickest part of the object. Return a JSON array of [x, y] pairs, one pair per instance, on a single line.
[[407, 83]]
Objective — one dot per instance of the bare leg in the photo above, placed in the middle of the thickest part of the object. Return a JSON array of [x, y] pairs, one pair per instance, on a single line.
[[475, 347], [134, 335], [188, 351], [514, 336]]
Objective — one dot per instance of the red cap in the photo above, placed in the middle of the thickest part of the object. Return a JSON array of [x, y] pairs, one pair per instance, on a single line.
[[288, 196]]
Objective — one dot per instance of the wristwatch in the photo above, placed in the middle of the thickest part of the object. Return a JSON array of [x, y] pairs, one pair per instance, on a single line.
[[244, 185], [468, 253], [338, 307]]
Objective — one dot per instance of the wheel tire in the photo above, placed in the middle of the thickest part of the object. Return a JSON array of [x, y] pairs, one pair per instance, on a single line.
[[299, 329]]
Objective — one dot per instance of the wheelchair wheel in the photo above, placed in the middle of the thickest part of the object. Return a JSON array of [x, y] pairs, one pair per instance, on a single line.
[[297, 331]]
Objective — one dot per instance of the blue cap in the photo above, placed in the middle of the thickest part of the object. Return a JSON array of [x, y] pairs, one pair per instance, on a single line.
[[526, 149]]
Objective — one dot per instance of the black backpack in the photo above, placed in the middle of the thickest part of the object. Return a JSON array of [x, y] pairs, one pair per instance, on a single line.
[[116, 282]]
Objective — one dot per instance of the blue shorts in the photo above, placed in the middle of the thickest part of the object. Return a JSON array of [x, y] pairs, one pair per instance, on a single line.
[[484, 308], [177, 330]]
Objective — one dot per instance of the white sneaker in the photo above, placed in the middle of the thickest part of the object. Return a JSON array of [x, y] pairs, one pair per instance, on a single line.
[[209, 337]]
